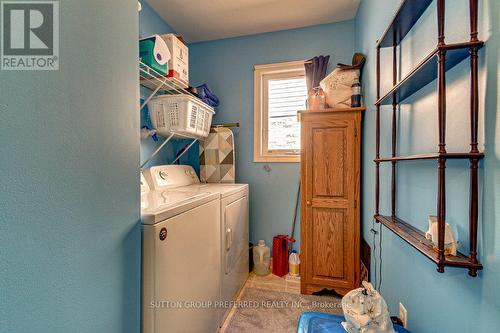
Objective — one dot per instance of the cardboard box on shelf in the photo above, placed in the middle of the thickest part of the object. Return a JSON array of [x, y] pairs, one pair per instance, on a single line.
[[178, 65]]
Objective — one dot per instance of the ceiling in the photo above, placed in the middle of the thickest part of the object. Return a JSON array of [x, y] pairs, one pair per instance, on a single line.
[[200, 20]]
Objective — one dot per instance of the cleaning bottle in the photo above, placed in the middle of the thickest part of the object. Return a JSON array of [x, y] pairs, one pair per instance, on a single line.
[[261, 258], [294, 263]]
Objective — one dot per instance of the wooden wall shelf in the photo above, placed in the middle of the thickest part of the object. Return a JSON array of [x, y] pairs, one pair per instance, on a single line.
[[434, 66], [416, 238], [434, 156], [406, 16], [427, 71]]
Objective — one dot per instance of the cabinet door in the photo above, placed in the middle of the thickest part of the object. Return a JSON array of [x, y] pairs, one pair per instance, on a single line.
[[331, 184]]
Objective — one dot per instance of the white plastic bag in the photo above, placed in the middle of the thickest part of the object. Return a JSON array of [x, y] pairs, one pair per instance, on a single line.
[[366, 311], [337, 87]]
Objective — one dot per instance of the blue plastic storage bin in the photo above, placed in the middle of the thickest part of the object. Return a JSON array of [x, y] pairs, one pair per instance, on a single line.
[[317, 322]]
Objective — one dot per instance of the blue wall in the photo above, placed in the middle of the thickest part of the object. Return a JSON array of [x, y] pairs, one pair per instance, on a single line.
[[227, 66], [151, 23], [450, 302], [69, 204]]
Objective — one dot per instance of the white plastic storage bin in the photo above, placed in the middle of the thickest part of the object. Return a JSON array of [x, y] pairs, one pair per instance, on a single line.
[[184, 115]]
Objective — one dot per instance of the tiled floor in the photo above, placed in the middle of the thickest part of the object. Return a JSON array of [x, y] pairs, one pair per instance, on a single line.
[[287, 283], [272, 282]]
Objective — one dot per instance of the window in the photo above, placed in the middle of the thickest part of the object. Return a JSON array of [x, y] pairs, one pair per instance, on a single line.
[[280, 91]]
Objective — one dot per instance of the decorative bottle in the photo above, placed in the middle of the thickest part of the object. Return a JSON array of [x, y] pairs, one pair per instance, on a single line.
[[356, 94]]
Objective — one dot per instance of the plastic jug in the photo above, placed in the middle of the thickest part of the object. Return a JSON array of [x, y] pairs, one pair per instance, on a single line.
[[261, 258], [294, 263]]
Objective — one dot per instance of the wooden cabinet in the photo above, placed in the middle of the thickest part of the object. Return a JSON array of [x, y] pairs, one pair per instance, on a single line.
[[330, 214]]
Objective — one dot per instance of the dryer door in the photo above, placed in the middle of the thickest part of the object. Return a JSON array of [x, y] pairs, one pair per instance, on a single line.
[[236, 231]]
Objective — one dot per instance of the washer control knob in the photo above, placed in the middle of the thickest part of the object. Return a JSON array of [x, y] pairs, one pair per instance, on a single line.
[[163, 175], [163, 234]]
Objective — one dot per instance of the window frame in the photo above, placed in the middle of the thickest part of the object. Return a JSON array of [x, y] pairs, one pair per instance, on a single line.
[[262, 75]]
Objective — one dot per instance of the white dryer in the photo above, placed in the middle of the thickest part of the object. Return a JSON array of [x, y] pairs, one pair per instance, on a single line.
[[233, 225], [181, 261]]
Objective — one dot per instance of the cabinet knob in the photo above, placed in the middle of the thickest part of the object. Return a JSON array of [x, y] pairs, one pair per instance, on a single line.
[[308, 203]]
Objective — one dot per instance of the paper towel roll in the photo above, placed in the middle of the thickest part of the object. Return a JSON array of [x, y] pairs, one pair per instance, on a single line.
[[161, 51]]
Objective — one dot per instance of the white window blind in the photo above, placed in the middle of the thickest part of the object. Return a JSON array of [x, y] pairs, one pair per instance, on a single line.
[[285, 98], [279, 92]]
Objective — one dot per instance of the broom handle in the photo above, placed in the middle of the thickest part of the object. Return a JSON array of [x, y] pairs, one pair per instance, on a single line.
[[295, 217]]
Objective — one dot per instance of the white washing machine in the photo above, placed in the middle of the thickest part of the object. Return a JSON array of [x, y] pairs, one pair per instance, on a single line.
[[233, 224], [180, 261]]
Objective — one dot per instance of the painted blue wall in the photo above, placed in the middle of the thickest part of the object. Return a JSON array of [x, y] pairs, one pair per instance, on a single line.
[[450, 302], [69, 204], [227, 66], [151, 23]]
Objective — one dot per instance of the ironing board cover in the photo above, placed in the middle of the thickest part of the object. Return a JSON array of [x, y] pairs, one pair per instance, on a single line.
[[217, 157], [317, 322]]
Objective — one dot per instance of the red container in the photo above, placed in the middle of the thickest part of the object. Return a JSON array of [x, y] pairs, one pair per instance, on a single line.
[[280, 254]]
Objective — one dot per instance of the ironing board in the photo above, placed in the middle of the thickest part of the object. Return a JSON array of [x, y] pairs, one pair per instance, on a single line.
[[217, 156], [317, 322]]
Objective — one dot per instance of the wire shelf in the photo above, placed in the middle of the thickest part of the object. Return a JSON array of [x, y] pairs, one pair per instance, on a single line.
[[159, 84]]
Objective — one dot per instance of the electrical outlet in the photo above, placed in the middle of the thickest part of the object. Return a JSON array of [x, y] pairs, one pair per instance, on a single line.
[[403, 315]]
